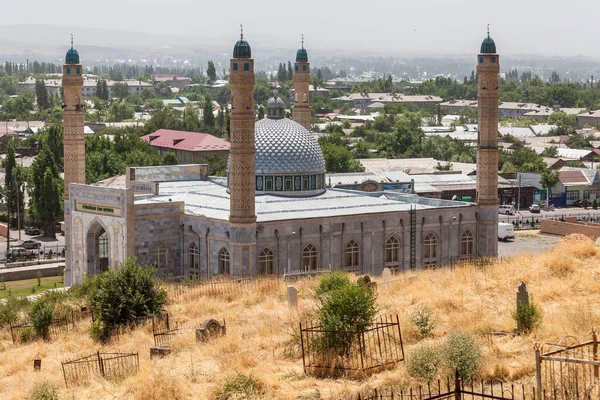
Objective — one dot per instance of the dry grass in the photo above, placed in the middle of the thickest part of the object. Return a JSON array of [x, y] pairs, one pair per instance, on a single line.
[[262, 332]]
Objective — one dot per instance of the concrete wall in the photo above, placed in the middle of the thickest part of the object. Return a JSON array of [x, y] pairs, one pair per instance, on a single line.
[[570, 226]]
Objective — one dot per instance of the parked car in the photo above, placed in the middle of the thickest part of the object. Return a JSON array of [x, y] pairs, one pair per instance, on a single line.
[[31, 231], [534, 208], [16, 243], [578, 203], [20, 252], [32, 244], [505, 231], [507, 209]]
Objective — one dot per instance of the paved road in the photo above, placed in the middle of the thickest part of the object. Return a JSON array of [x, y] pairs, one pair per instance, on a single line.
[[559, 212], [526, 242]]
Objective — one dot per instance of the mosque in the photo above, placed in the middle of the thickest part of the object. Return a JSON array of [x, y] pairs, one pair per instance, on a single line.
[[272, 214]]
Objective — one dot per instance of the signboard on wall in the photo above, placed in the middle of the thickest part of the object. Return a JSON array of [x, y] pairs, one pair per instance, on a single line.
[[141, 187], [97, 208]]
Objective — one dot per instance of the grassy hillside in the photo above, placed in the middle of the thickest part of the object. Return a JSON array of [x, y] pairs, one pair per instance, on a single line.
[[263, 339]]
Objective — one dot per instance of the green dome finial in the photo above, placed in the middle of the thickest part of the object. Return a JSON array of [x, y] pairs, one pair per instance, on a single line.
[[72, 56], [488, 46], [242, 48], [302, 55]]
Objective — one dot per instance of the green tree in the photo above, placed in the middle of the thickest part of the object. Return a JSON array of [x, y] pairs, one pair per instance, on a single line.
[[121, 295], [548, 180], [290, 72], [211, 72], [462, 354], [41, 95], [119, 111], [170, 158], [207, 115], [120, 90], [565, 123], [49, 204]]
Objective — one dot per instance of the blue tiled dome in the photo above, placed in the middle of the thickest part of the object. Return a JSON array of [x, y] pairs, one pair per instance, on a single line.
[[72, 56], [302, 55], [488, 46]]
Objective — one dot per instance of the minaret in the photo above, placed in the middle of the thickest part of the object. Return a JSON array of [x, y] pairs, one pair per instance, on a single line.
[[488, 68], [73, 116], [301, 111], [242, 151], [74, 145]]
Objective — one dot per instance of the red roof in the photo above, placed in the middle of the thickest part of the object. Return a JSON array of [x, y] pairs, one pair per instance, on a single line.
[[4, 130], [188, 141], [572, 177]]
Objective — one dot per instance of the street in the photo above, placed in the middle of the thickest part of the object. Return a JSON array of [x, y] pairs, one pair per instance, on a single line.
[[54, 245], [525, 215], [526, 242]]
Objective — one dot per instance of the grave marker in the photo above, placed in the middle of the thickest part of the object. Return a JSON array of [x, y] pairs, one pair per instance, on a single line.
[[292, 296]]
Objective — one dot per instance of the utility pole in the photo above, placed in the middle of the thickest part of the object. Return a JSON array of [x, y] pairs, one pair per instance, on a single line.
[[18, 210], [7, 224], [519, 194]]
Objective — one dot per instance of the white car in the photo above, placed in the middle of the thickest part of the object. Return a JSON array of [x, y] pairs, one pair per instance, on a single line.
[[507, 209]]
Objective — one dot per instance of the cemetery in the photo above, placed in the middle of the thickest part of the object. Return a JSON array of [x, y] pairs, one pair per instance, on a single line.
[[516, 328]]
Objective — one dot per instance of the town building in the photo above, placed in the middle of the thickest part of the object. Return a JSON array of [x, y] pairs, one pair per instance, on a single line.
[[189, 147], [271, 214], [363, 100], [591, 118]]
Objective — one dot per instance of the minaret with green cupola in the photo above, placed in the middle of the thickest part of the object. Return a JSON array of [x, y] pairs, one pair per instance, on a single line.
[[73, 118], [301, 113], [242, 162], [488, 69], [74, 149]]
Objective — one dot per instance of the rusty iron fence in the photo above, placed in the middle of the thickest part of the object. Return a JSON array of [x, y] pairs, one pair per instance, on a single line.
[[371, 349], [569, 369], [25, 331], [218, 286], [454, 389], [111, 366], [163, 329]]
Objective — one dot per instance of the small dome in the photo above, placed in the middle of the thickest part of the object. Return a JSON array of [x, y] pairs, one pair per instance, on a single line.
[[302, 55], [72, 56], [488, 46], [242, 49]]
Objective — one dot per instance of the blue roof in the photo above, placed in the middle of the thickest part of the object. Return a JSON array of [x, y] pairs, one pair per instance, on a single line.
[[72, 56], [242, 49]]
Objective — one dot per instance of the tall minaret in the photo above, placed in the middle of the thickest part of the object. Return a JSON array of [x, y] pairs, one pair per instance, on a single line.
[[488, 68], [73, 116], [74, 145], [242, 151], [301, 111]]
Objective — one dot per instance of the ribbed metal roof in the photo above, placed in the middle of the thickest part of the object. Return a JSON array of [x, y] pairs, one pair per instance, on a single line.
[[72, 56], [242, 49], [488, 46], [302, 55]]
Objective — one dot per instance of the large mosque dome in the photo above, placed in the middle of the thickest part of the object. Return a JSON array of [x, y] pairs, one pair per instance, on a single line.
[[289, 161]]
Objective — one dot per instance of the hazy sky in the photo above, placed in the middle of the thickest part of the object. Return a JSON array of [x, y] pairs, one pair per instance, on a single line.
[[550, 27]]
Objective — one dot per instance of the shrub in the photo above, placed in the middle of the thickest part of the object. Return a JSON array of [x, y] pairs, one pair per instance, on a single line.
[[43, 391], [241, 386], [119, 297], [344, 308], [41, 315], [9, 311], [595, 204], [527, 316], [423, 363], [332, 281], [422, 317], [27, 335], [462, 354]]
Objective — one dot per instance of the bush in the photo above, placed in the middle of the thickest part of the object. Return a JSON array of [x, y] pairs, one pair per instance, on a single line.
[[527, 316], [43, 391], [332, 281], [241, 386], [462, 354], [423, 363], [422, 317], [343, 308], [41, 315], [119, 297], [27, 335], [595, 204], [9, 311]]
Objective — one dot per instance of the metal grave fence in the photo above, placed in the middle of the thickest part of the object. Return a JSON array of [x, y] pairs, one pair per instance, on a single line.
[[111, 366]]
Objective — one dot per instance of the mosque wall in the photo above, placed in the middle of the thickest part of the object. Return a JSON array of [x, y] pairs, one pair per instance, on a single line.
[[98, 230]]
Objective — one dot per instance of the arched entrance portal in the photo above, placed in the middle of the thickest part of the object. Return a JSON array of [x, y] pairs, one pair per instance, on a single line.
[[98, 249]]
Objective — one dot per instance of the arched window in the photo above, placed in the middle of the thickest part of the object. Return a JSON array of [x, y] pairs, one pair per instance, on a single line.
[[466, 243], [430, 250], [224, 266], [309, 258], [194, 261], [392, 250], [266, 262], [352, 253], [159, 255], [288, 183], [103, 249]]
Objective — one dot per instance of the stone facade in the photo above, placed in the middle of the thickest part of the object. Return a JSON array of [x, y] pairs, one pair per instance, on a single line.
[[301, 113], [488, 69], [569, 227], [99, 230]]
